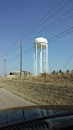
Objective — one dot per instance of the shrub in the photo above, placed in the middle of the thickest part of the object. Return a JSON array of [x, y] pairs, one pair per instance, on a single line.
[[67, 71], [54, 72], [44, 74], [60, 71]]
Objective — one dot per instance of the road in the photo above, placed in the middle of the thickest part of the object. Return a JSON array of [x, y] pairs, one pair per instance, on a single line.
[[10, 100]]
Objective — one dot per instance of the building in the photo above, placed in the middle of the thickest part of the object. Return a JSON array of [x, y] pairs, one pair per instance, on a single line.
[[17, 73]]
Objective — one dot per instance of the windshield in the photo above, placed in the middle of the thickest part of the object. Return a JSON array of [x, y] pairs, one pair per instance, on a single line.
[[36, 57]]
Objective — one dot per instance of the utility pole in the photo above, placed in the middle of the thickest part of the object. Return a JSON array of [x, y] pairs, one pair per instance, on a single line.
[[20, 57], [5, 65]]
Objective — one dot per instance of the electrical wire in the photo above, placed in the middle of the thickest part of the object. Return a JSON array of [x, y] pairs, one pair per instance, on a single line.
[[49, 18], [53, 23], [54, 8], [60, 33], [27, 51], [56, 36], [26, 34]]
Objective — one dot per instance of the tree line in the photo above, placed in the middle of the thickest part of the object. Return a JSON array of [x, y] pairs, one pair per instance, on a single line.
[[61, 72]]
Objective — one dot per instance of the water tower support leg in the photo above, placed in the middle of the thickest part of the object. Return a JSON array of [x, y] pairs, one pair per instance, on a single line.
[[36, 59], [46, 58], [34, 63], [41, 59], [44, 61]]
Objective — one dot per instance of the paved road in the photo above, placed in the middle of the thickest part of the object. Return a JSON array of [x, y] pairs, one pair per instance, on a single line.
[[10, 100]]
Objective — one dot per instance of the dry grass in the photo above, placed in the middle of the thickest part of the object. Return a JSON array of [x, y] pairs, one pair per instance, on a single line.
[[50, 89]]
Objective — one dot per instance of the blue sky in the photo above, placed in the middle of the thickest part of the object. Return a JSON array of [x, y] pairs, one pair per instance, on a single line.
[[21, 20]]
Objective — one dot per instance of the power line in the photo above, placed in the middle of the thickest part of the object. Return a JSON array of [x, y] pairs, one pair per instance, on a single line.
[[66, 13], [70, 0], [60, 34], [68, 61], [56, 36], [52, 39], [26, 34], [53, 9], [29, 50], [56, 11], [50, 17], [66, 30], [54, 22], [55, 26], [25, 52]]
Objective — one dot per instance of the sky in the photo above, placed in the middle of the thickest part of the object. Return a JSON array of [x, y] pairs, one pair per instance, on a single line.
[[29, 19]]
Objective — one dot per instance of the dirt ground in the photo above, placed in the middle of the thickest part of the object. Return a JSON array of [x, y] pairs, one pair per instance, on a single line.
[[43, 90]]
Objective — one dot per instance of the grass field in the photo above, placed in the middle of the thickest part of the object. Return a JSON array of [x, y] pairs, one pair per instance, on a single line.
[[43, 90]]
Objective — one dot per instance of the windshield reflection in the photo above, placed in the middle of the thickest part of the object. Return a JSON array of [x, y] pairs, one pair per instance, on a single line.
[[10, 117]]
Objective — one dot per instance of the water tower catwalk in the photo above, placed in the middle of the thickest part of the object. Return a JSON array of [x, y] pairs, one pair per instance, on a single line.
[[41, 53]]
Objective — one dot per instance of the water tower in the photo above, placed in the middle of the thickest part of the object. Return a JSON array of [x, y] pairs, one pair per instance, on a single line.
[[41, 46]]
